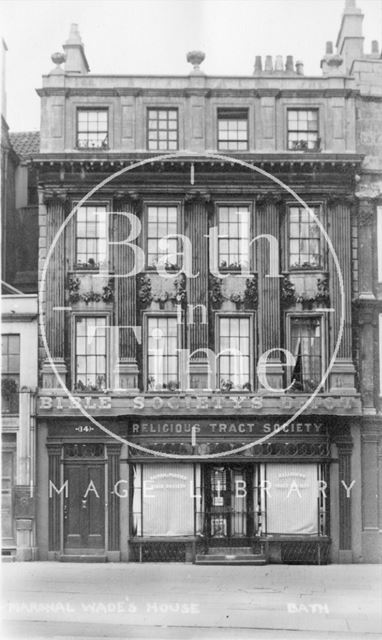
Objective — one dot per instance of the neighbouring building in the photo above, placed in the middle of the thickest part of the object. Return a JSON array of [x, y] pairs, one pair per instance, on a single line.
[[19, 339], [166, 237]]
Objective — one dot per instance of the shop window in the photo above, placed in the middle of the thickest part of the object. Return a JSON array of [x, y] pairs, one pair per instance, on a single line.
[[92, 129], [162, 354], [234, 353], [90, 353], [163, 499], [162, 221], [294, 502], [162, 130], [232, 129], [91, 237], [303, 130], [10, 372], [304, 237], [306, 346], [233, 239]]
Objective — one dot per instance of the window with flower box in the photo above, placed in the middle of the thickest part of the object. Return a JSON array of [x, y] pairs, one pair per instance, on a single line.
[[91, 236], [90, 372], [303, 130], [162, 221], [92, 129], [304, 238], [234, 351], [233, 240], [306, 345], [162, 354]]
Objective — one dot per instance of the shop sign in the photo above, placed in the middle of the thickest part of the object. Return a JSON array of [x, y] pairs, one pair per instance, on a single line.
[[146, 405], [221, 427]]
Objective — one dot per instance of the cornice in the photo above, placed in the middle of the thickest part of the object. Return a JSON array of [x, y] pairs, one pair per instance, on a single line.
[[210, 92]]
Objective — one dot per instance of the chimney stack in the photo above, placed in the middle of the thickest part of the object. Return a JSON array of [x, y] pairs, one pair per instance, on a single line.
[[350, 39], [289, 66], [299, 68]]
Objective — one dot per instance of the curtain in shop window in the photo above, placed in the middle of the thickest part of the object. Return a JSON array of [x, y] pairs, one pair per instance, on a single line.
[[292, 498], [167, 499]]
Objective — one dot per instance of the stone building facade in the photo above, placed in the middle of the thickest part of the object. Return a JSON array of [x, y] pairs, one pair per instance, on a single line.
[[208, 299]]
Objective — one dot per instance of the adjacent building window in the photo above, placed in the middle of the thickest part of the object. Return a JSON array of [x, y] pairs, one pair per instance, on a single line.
[[303, 130], [379, 242], [162, 129], [233, 243], [232, 129], [162, 355], [234, 353], [306, 346], [90, 353], [91, 236], [380, 354], [162, 221], [10, 372], [305, 244], [92, 129]]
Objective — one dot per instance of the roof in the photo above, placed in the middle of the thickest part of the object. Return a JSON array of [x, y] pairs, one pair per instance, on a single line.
[[25, 142]]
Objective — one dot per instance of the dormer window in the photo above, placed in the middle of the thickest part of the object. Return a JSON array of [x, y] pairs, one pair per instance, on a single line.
[[303, 130], [92, 129]]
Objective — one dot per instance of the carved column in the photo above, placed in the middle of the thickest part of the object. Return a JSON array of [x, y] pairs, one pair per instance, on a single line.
[[113, 455], [197, 209], [56, 208], [269, 289], [126, 369], [342, 375], [54, 453]]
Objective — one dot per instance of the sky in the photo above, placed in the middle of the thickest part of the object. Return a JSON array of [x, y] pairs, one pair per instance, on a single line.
[[153, 37]]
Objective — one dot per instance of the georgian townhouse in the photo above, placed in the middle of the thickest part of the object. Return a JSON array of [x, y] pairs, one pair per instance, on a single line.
[[199, 269]]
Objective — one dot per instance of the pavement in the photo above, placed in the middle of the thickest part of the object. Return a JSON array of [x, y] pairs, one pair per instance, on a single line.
[[63, 601]]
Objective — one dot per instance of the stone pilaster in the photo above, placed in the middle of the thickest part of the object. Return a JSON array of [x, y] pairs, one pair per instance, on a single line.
[[113, 455], [345, 445], [368, 323], [342, 375], [56, 207], [54, 455], [197, 209], [126, 367], [269, 288]]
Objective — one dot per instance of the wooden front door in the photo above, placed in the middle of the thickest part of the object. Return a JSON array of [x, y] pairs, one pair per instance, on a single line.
[[84, 506]]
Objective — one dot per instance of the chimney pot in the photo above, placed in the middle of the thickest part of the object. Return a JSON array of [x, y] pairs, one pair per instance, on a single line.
[[374, 46], [268, 63], [258, 64], [299, 68], [329, 48], [279, 63], [289, 64]]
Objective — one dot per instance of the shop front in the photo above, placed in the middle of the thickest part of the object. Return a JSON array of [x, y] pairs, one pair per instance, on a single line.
[[173, 487], [225, 492]]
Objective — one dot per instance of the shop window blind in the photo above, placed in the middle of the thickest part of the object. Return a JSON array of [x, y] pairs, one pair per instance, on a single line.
[[292, 498], [167, 506]]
